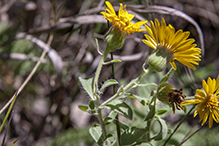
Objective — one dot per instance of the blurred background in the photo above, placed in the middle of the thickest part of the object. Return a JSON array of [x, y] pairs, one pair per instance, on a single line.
[[46, 111]]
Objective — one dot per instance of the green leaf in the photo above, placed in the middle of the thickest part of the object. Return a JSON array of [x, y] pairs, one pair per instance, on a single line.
[[110, 118], [96, 133], [108, 83], [167, 76], [83, 107], [138, 98], [91, 105], [87, 85], [131, 135], [122, 108], [110, 141], [112, 61], [184, 109], [152, 106], [121, 124], [161, 111], [163, 129], [143, 144], [145, 85]]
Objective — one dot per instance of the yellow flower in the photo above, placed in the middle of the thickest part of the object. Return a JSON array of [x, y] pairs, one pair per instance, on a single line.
[[176, 44], [207, 101], [123, 20]]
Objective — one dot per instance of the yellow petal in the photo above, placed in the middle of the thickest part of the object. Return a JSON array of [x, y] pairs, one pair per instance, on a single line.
[[110, 7], [205, 117], [201, 93], [192, 101], [205, 86], [173, 65], [149, 44]]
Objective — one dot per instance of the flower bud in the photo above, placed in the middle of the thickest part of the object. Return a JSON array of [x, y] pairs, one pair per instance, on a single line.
[[115, 38], [160, 59]]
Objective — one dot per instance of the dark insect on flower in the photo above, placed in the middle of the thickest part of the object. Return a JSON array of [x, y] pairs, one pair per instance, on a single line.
[[175, 98]]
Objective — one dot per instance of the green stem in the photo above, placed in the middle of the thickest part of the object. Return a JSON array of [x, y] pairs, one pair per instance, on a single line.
[[95, 88], [117, 116], [177, 127], [129, 86], [100, 118], [9, 111], [95, 83], [148, 130]]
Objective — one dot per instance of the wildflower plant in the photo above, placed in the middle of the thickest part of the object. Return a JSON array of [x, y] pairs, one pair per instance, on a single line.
[[169, 45]]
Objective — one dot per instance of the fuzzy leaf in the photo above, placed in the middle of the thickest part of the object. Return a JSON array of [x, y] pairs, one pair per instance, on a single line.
[[96, 133], [107, 84], [87, 85], [122, 108]]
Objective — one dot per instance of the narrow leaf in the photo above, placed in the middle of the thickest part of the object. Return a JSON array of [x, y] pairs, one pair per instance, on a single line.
[[143, 144], [161, 112], [151, 109], [121, 108], [112, 61], [107, 84], [145, 85], [167, 76], [9, 111], [163, 129], [138, 98]]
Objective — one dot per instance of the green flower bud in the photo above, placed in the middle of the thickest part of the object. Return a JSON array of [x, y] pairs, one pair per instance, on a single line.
[[160, 59], [115, 38], [163, 92]]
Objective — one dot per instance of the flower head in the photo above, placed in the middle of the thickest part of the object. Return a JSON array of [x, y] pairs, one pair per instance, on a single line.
[[166, 93], [123, 20], [207, 101], [177, 46]]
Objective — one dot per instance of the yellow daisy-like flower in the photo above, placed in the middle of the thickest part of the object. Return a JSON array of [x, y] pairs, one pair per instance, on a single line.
[[176, 44], [123, 20], [207, 101]]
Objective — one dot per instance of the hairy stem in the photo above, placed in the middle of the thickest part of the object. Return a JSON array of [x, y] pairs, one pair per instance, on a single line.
[[95, 83], [95, 89]]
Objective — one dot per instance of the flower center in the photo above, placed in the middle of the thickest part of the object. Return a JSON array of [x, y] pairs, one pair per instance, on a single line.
[[211, 101], [175, 97]]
